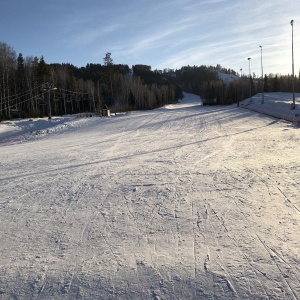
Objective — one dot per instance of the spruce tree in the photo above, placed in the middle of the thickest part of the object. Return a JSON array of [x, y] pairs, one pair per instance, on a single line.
[[20, 73], [42, 71], [108, 76]]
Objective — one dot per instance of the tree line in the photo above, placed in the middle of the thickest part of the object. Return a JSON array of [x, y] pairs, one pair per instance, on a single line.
[[205, 82], [246, 87], [30, 87]]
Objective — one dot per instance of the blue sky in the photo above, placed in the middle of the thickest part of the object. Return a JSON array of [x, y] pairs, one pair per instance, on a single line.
[[160, 33]]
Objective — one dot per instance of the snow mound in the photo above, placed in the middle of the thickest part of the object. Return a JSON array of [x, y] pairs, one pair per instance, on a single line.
[[19, 131]]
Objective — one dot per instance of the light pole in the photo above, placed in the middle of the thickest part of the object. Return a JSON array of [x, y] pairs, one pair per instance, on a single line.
[[249, 58], [262, 78], [48, 88], [293, 105], [242, 87]]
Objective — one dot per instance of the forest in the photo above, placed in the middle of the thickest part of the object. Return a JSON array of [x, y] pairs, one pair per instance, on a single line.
[[29, 87]]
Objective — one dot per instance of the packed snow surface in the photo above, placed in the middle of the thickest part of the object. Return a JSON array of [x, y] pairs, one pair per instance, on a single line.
[[182, 202]]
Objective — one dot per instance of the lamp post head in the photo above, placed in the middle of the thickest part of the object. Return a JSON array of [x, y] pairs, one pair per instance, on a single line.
[[292, 22], [249, 58]]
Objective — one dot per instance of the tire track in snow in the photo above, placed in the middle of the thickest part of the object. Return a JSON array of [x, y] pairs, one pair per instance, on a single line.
[[182, 155], [208, 226], [42, 186], [228, 147], [288, 200], [225, 281], [67, 215], [234, 241], [284, 279], [80, 190]]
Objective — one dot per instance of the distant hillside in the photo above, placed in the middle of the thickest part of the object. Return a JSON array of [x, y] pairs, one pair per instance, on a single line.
[[227, 78]]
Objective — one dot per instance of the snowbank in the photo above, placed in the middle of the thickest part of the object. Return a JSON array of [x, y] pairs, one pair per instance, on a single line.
[[275, 104]]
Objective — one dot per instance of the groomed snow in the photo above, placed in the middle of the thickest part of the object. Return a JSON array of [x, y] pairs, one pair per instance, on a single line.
[[182, 202]]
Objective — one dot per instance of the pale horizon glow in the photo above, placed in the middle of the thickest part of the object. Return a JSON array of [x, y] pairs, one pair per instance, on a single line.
[[162, 34]]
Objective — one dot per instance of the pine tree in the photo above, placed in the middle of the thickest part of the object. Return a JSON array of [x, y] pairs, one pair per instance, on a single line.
[[108, 75], [42, 71], [266, 84], [276, 85], [20, 73], [108, 61]]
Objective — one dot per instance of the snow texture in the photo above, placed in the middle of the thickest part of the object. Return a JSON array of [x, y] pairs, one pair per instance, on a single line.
[[182, 202]]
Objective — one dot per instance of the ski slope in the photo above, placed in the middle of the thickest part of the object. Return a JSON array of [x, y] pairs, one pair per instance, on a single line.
[[182, 202]]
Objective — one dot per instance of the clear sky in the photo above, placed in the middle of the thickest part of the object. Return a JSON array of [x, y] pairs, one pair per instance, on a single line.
[[160, 33]]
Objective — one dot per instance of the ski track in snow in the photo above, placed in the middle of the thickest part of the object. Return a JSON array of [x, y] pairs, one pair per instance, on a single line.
[[182, 202]]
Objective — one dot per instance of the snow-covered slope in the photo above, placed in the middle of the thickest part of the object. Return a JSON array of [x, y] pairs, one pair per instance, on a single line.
[[227, 78], [182, 202]]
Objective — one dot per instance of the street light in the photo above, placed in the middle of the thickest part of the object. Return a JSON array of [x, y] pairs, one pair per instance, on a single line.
[[262, 78], [242, 86], [293, 105], [249, 58]]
